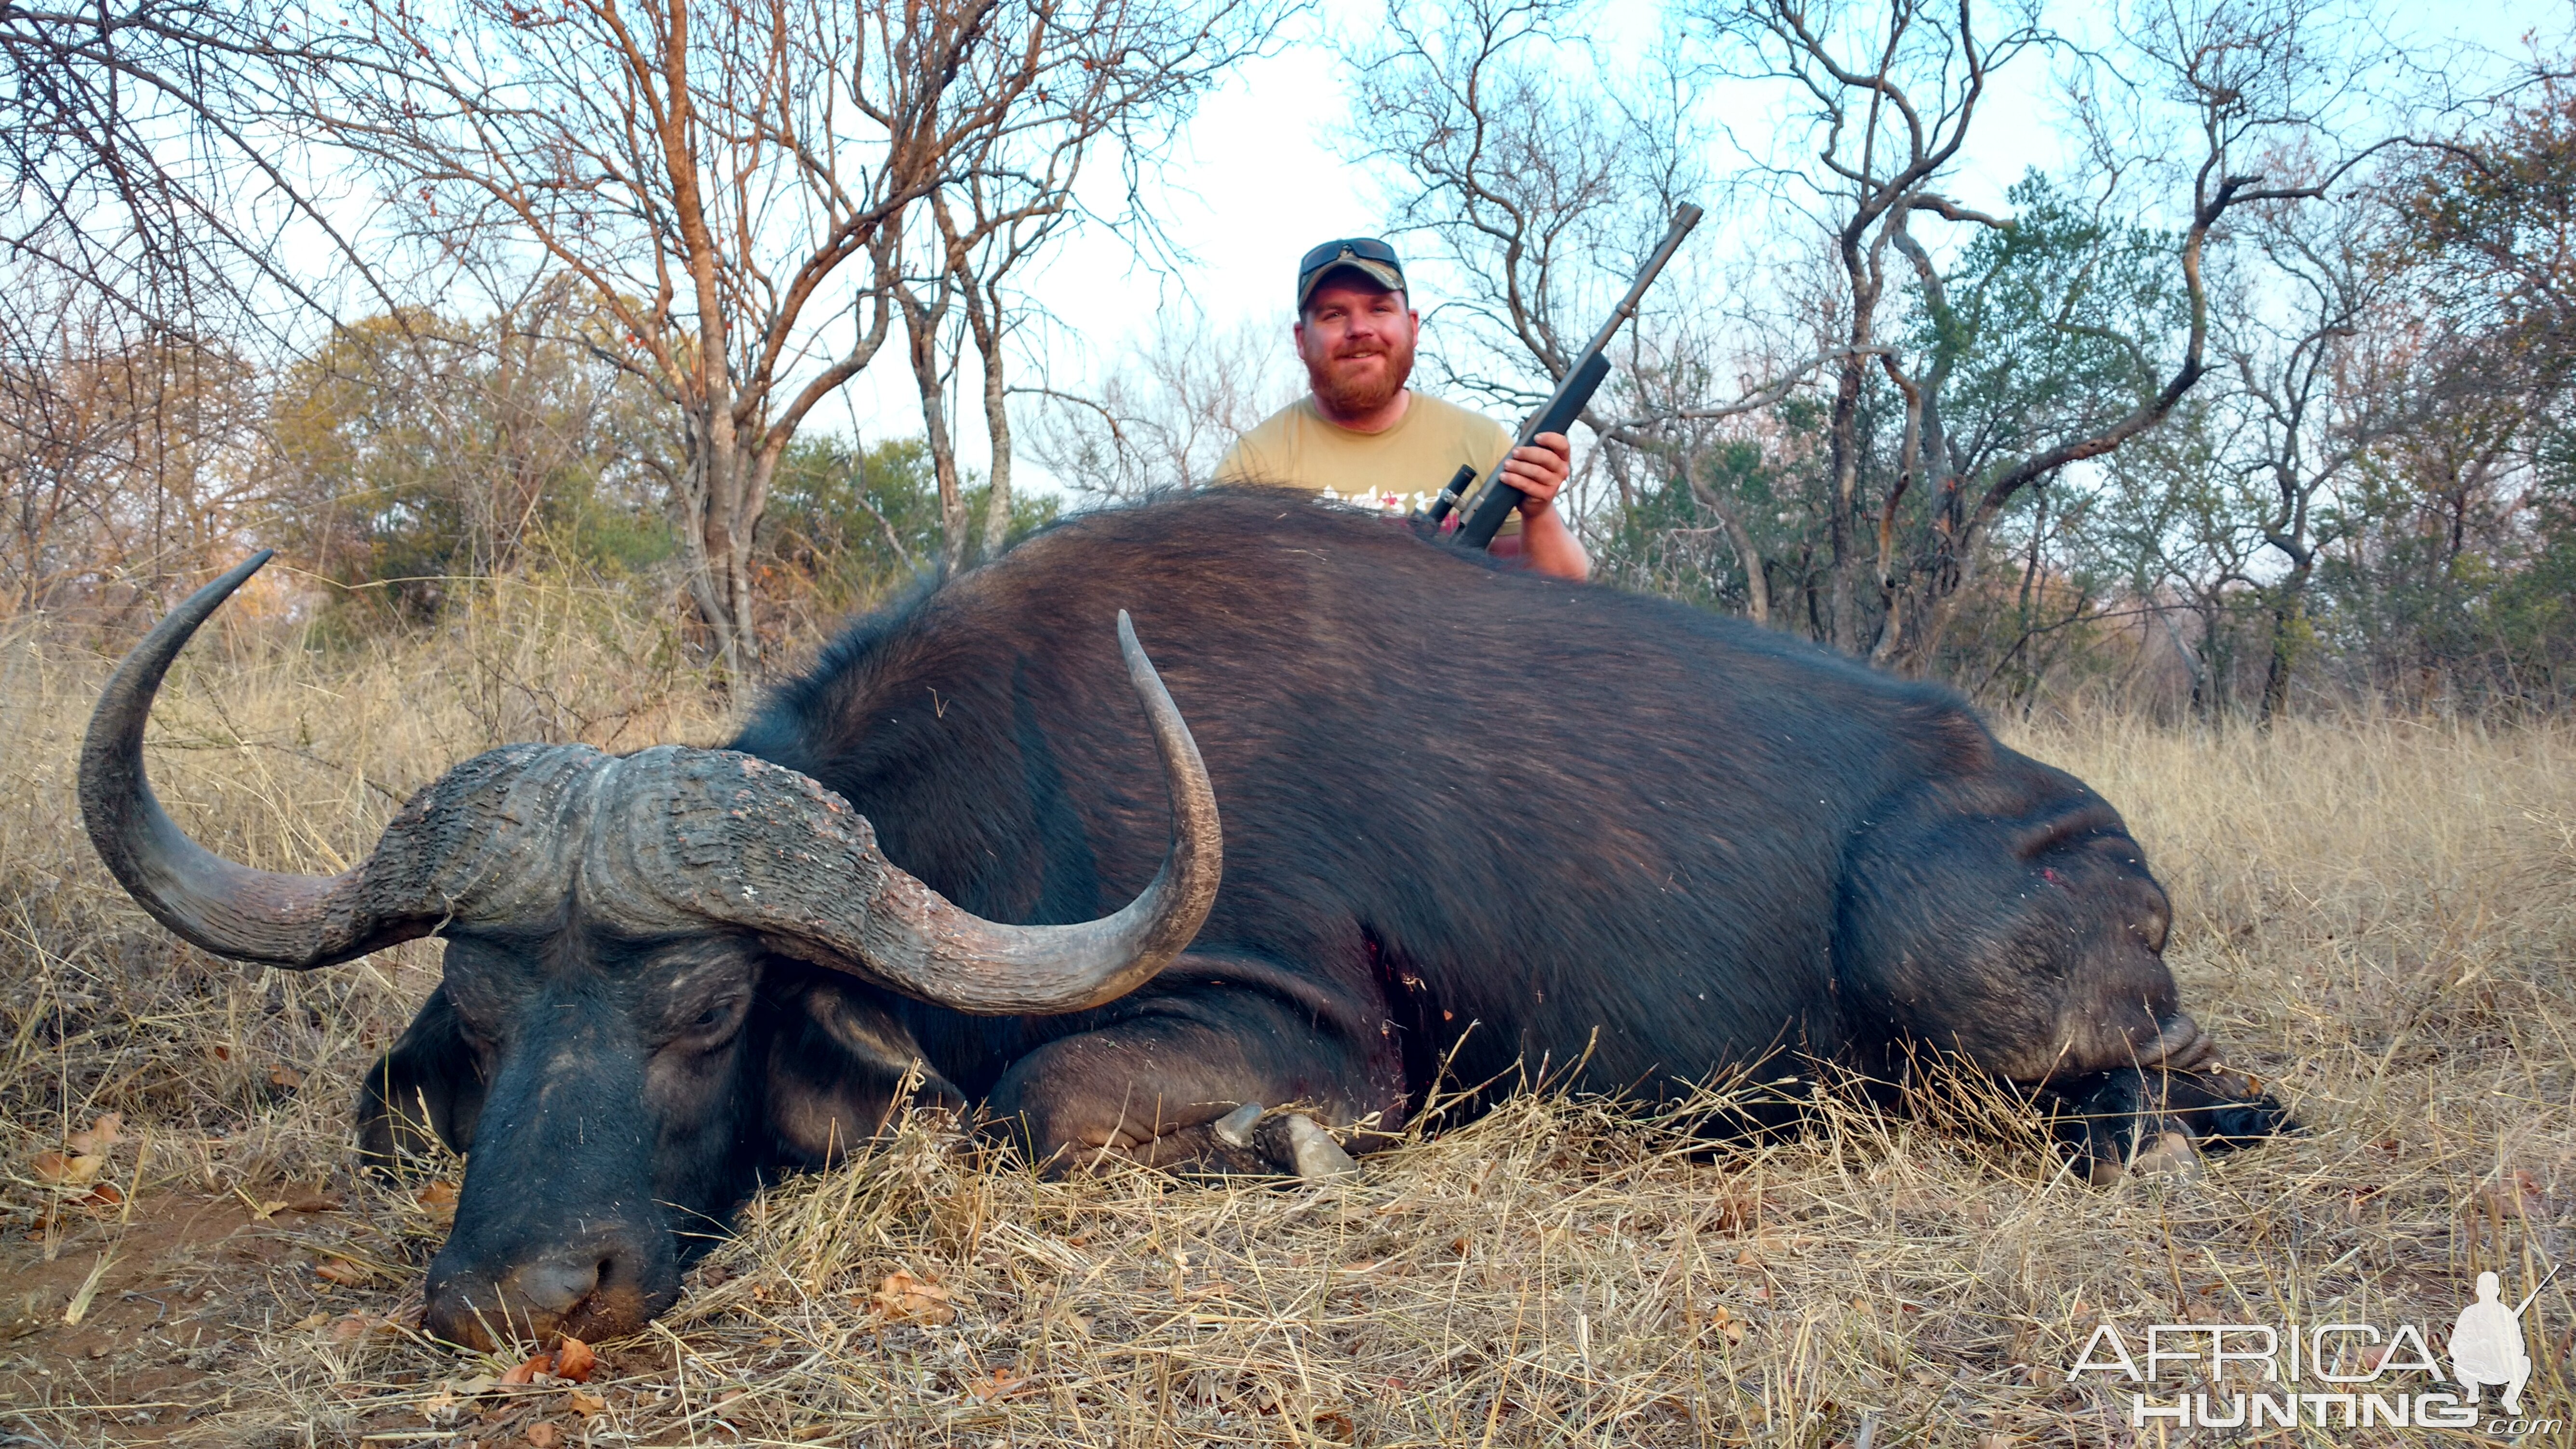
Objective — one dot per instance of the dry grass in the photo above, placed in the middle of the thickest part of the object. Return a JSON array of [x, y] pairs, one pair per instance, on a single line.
[[2378, 916]]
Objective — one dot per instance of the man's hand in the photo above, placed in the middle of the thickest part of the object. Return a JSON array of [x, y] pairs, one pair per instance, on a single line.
[[1545, 543], [1539, 471]]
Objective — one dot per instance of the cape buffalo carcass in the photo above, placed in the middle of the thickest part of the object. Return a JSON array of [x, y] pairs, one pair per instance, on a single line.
[[1471, 816]]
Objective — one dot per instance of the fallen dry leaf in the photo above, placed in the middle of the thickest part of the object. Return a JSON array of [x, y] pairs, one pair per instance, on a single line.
[[1724, 1322], [98, 1137], [588, 1404], [105, 1195], [58, 1169], [344, 1272], [439, 1196], [572, 1359], [903, 1295], [544, 1435], [1001, 1383], [282, 1075], [2514, 1195], [349, 1328]]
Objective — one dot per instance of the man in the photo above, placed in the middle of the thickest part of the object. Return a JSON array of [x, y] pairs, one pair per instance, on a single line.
[[1360, 432]]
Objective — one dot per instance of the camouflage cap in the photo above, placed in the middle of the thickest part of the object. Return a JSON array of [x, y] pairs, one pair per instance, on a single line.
[[1366, 255]]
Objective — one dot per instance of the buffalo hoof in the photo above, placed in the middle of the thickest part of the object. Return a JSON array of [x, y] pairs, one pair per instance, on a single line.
[[1235, 1128], [1313, 1152], [2169, 1156], [1290, 1140]]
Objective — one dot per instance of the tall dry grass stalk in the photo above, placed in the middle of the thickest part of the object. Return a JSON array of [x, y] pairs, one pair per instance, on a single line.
[[2376, 915]]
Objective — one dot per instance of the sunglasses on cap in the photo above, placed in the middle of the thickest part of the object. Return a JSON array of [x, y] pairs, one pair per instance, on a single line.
[[1369, 256]]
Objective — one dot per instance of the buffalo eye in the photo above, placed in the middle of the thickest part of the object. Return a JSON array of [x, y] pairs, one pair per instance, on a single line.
[[717, 1016]]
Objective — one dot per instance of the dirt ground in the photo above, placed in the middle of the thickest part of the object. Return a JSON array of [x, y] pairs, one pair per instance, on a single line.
[[175, 1287], [139, 1352]]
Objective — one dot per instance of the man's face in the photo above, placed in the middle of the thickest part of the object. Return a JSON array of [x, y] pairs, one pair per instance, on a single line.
[[1357, 339]]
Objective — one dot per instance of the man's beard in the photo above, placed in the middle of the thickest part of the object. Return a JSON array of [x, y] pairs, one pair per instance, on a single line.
[[1356, 391]]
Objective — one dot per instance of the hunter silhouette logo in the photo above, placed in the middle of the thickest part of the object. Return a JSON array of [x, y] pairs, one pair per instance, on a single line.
[[2486, 1343]]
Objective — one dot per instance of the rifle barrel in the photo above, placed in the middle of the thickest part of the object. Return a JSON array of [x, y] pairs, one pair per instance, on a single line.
[[1583, 377]]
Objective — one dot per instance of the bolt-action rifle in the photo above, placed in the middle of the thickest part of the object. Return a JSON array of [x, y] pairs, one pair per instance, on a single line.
[[1573, 394]]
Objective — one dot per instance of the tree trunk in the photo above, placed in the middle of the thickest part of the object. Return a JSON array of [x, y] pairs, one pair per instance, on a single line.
[[1757, 581], [921, 334], [1842, 438], [984, 315], [724, 595], [2289, 621]]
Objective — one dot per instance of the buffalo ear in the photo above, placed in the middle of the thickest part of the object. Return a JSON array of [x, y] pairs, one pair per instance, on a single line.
[[427, 1091], [837, 1060]]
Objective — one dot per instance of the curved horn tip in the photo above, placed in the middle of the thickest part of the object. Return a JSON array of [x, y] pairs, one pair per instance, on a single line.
[[230, 910], [234, 577], [1140, 669], [917, 942]]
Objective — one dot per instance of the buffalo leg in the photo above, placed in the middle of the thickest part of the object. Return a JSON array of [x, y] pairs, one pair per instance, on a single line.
[[2007, 916], [1177, 1078], [2118, 1117]]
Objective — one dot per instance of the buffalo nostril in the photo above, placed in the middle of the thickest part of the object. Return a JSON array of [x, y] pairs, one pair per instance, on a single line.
[[554, 1285]]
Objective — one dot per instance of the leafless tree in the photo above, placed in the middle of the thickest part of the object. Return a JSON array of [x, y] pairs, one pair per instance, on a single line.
[[124, 460], [1546, 188], [1890, 99], [150, 169], [1021, 188], [730, 181], [2322, 379], [2319, 378], [1166, 413], [151, 158], [1542, 189]]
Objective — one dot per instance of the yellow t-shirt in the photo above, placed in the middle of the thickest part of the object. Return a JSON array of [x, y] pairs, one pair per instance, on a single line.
[[1398, 470]]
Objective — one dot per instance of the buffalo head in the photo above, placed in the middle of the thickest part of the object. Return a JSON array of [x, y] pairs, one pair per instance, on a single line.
[[609, 921]]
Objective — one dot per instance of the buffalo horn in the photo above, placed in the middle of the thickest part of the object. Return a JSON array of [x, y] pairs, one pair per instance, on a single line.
[[731, 839], [663, 841], [232, 910]]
